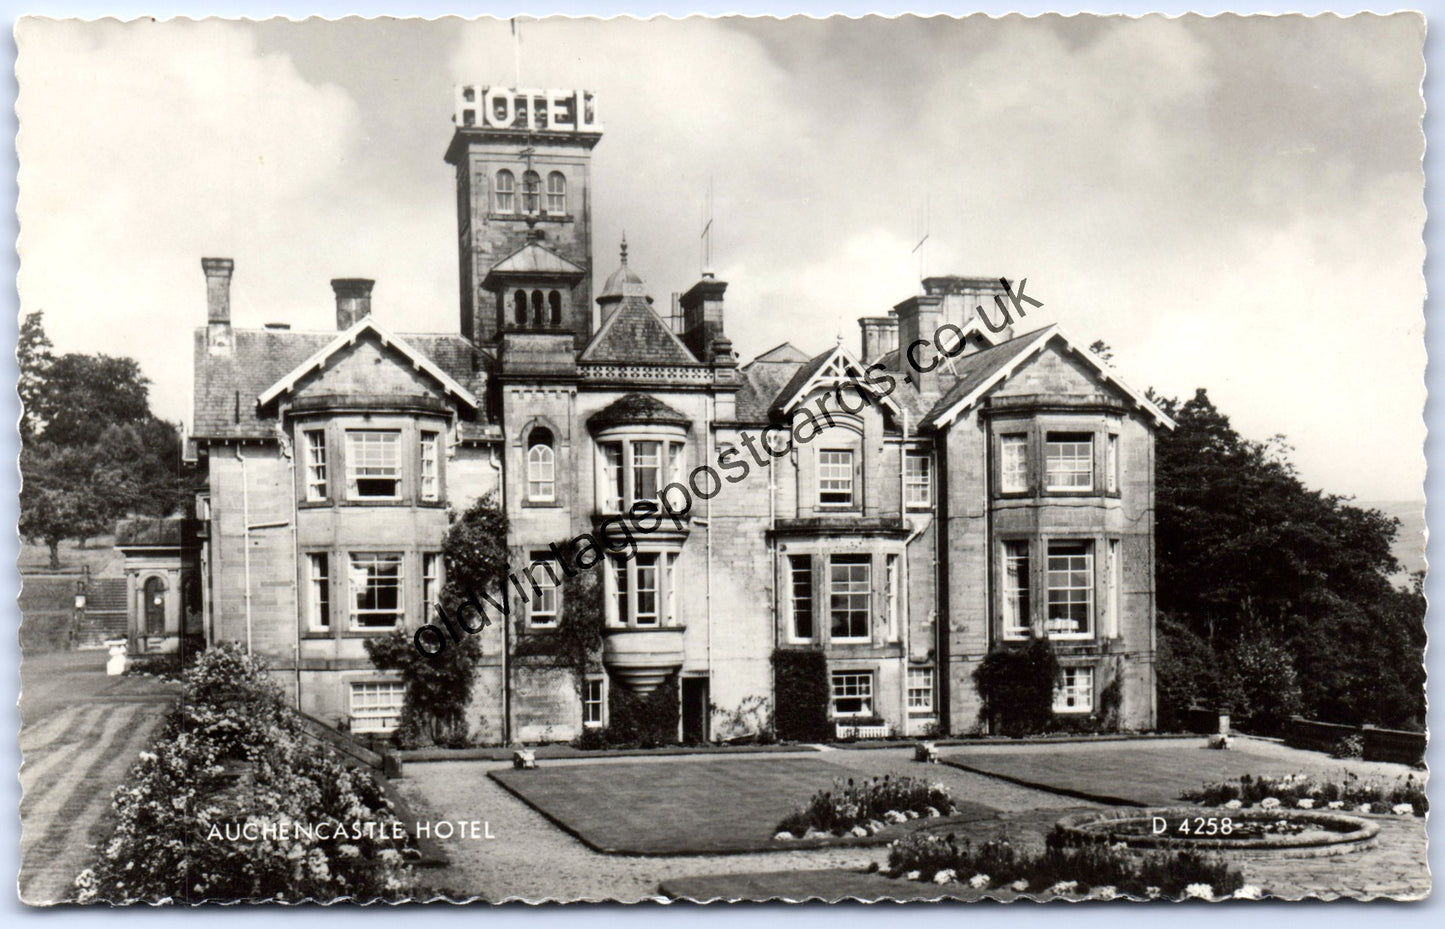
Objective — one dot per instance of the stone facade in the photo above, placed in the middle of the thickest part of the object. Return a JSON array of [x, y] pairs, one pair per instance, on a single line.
[[903, 510]]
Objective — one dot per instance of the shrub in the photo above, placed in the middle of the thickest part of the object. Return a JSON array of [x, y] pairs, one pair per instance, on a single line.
[[751, 722], [231, 755], [1265, 675], [1168, 873], [1351, 791], [855, 803], [1348, 746], [165, 667], [643, 720], [1016, 685], [801, 685]]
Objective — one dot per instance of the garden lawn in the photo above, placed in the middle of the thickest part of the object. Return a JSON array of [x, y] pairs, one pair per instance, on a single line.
[[695, 807], [1153, 772]]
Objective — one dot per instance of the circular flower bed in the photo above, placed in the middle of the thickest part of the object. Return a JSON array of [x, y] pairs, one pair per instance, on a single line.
[[1276, 830]]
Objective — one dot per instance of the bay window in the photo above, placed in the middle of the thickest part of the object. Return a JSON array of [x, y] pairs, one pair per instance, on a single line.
[[1069, 461], [1013, 463], [430, 466], [1071, 589], [849, 596], [1016, 618], [373, 464], [315, 445], [643, 590], [376, 591], [632, 470]]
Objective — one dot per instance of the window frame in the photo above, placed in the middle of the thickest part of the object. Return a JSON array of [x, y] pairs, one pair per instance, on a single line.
[[599, 702], [318, 592], [1067, 438], [843, 685], [801, 567], [913, 499], [545, 579], [354, 457], [920, 708], [622, 586], [823, 468], [430, 469], [1013, 473], [556, 201], [397, 689], [432, 568], [851, 611], [1066, 690], [1111, 463], [353, 624], [504, 195], [540, 489], [316, 472], [1090, 598], [618, 468], [1016, 603]]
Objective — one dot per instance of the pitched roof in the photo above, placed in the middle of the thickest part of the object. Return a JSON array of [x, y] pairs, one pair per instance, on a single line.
[[635, 334], [830, 367], [785, 353], [366, 326], [761, 382], [535, 258], [227, 386], [982, 371]]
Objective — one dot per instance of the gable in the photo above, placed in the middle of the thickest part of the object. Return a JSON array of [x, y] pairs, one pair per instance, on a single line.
[[827, 371], [368, 368], [1052, 371], [388, 346]]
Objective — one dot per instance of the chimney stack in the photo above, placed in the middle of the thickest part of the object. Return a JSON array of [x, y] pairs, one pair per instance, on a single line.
[[218, 303], [918, 320], [702, 315], [353, 300], [880, 336]]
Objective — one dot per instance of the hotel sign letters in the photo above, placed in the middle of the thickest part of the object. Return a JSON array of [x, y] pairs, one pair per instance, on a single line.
[[539, 110]]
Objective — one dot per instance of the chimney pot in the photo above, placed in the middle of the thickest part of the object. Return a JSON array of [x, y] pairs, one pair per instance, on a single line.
[[353, 300]]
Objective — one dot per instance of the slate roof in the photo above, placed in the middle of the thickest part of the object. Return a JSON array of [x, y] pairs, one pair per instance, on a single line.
[[635, 334], [785, 353], [763, 380], [145, 530], [227, 385], [971, 371], [637, 408]]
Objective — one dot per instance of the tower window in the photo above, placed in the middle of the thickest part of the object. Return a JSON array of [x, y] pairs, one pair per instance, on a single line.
[[531, 192], [556, 194], [519, 308], [555, 300], [506, 192], [541, 466], [537, 311]]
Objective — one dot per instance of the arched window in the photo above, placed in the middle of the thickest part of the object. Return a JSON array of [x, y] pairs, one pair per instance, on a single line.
[[531, 191], [555, 300], [538, 309], [519, 307], [506, 192], [155, 606], [541, 466], [556, 194]]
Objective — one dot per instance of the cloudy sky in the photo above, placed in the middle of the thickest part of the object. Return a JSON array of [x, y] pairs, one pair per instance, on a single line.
[[1234, 204]]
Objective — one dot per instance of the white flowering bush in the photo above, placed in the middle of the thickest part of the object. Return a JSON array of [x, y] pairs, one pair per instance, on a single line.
[[1365, 795], [855, 803], [233, 756]]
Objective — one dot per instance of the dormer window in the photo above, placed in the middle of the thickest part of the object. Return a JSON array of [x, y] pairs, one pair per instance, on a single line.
[[541, 466], [506, 192], [556, 194], [373, 464]]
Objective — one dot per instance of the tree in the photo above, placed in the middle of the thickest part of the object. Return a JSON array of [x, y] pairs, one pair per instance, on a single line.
[[1248, 554], [82, 395], [1102, 349], [32, 351], [65, 493], [1016, 686]]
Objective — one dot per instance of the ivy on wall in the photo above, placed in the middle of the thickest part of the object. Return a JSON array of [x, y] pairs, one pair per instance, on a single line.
[[801, 685], [1016, 686]]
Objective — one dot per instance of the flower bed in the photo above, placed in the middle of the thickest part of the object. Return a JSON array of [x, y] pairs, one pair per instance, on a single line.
[[1404, 796], [1288, 831], [1089, 871], [867, 805], [231, 762]]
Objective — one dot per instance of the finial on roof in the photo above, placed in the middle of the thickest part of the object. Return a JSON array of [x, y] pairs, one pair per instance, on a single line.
[[624, 246]]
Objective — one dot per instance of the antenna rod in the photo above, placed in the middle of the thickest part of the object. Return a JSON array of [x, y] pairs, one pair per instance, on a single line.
[[517, 56]]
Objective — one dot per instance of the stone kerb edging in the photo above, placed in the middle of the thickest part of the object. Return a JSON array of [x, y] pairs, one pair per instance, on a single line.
[[1359, 833]]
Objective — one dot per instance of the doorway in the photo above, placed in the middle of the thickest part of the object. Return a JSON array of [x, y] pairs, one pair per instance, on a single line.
[[694, 710]]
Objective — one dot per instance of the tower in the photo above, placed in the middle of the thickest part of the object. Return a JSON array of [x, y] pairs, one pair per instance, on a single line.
[[523, 171]]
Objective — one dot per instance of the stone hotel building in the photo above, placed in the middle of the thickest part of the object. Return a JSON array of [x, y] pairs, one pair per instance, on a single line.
[[1003, 492]]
